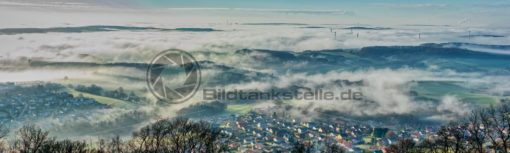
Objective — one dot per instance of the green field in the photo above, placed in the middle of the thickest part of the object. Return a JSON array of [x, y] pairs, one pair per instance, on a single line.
[[239, 108], [437, 89], [102, 99]]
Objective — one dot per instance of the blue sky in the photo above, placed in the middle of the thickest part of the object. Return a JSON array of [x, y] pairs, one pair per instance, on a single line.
[[320, 4], [438, 11], [466, 13], [299, 4]]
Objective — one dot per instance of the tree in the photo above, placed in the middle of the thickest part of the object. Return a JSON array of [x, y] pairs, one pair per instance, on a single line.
[[458, 138], [116, 145], [477, 137], [301, 147], [333, 148], [429, 146], [496, 122], [403, 146], [31, 138], [443, 141], [452, 138], [64, 146], [3, 134], [179, 135]]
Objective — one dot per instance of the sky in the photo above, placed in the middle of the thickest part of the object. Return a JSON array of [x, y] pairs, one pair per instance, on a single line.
[[383, 12], [299, 4]]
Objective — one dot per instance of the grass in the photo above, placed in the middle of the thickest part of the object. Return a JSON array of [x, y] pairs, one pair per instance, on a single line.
[[102, 99], [438, 89], [240, 108], [479, 99]]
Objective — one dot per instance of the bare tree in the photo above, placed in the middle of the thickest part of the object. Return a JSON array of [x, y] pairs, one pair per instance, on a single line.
[[476, 138], [115, 145], [504, 115], [458, 138], [142, 140], [3, 131], [31, 138], [178, 135], [495, 122], [404, 146], [3, 134], [101, 146], [430, 146], [333, 148], [64, 146], [443, 141], [301, 147]]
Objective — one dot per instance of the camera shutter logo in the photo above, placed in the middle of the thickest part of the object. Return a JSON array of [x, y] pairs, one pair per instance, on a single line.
[[173, 76]]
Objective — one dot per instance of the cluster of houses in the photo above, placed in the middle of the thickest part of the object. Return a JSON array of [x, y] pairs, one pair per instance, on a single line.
[[251, 132], [254, 132], [29, 102]]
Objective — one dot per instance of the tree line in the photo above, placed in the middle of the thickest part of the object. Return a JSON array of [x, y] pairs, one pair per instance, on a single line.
[[163, 136], [482, 131]]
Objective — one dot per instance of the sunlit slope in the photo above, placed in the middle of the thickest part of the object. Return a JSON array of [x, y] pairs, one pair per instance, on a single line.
[[102, 99]]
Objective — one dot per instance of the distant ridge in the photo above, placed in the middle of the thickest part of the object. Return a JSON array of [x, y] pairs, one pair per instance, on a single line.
[[95, 28], [483, 35], [367, 28], [453, 50], [276, 24], [461, 44]]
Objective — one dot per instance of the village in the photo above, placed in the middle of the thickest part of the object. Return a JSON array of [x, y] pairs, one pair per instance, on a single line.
[[254, 132], [25, 103]]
